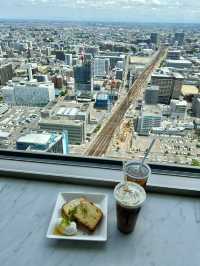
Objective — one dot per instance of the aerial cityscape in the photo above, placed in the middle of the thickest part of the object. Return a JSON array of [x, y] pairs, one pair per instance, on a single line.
[[101, 89]]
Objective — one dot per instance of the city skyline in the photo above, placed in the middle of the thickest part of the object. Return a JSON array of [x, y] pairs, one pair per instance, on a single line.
[[103, 10]]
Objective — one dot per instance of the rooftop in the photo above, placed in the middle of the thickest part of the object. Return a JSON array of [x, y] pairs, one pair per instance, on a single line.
[[179, 61], [42, 139], [140, 60], [189, 90], [4, 134], [152, 87], [178, 102], [166, 73], [151, 109], [61, 122]]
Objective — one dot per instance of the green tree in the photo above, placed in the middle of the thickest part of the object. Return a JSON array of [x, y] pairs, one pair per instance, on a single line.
[[195, 162]]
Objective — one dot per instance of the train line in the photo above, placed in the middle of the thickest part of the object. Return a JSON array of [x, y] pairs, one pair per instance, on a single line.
[[101, 143]]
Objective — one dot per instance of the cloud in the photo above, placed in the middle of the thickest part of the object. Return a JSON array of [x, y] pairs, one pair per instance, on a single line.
[[93, 3], [193, 4], [133, 10]]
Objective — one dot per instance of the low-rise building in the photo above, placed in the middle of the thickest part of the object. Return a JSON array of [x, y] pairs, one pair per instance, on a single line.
[[189, 91], [76, 129], [72, 111], [181, 63], [102, 101], [41, 142], [174, 131], [174, 54], [178, 109]]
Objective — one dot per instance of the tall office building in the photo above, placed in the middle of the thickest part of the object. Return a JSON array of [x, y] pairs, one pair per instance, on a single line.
[[169, 83], [101, 67], [150, 117], [155, 38], [179, 37], [6, 73], [83, 76], [196, 105], [151, 95], [68, 59], [48, 51]]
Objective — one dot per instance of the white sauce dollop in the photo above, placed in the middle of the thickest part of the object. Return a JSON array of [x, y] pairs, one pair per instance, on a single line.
[[70, 229]]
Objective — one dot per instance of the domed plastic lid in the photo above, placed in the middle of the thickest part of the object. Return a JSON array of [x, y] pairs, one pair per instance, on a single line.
[[129, 194]]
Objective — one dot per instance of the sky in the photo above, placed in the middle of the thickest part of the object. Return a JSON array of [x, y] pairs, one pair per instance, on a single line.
[[181, 11]]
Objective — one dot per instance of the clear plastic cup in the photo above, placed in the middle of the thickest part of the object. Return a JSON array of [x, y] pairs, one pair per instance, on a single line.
[[134, 172], [129, 198]]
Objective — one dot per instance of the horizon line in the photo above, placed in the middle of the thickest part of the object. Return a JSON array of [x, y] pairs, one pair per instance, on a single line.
[[99, 21]]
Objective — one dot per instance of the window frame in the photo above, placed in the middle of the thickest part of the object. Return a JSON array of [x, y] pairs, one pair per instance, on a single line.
[[166, 178]]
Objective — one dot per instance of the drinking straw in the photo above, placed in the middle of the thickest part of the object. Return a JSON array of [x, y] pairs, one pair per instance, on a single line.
[[147, 152]]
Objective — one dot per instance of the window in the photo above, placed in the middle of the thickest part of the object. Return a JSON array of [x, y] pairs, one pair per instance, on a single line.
[[79, 88]]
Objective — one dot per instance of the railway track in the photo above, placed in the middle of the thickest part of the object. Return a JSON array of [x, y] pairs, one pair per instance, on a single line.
[[101, 143]]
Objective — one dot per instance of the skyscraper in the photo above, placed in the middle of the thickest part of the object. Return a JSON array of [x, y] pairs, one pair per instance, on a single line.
[[83, 77], [101, 67], [169, 83], [6, 73], [154, 38], [68, 59], [179, 38]]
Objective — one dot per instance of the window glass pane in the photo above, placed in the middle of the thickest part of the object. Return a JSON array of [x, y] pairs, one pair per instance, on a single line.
[[103, 89]]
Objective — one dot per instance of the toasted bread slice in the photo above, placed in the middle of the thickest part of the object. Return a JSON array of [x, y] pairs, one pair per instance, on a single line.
[[70, 206], [88, 214], [85, 212]]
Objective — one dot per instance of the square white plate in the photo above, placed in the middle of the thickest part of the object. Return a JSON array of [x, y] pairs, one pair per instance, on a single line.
[[100, 200]]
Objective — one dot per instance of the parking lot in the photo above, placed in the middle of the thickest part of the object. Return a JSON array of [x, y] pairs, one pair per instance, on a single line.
[[168, 149], [18, 121]]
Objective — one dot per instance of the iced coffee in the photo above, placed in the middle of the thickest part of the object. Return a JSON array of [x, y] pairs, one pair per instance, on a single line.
[[129, 200]]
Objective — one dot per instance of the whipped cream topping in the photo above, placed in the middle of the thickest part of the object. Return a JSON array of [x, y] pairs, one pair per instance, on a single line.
[[129, 194]]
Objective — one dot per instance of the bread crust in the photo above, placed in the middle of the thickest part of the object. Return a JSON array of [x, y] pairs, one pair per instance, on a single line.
[[87, 213]]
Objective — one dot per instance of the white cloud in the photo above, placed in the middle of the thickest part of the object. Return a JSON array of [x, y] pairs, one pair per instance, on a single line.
[[193, 4], [99, 9]]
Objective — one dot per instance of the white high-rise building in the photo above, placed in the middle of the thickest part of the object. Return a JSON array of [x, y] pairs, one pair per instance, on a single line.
[[101, 67], [31, 93], [68, 59]]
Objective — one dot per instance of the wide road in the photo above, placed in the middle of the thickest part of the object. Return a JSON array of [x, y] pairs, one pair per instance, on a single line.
[[101, 143]]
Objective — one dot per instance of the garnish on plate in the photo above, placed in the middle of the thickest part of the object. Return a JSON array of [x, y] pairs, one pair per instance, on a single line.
[[67, 227], [78, 212]]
